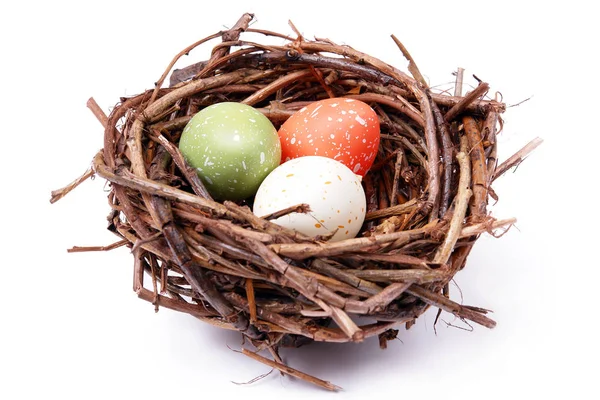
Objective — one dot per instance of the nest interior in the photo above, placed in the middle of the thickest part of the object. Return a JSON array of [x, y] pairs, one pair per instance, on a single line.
[[427, 196]]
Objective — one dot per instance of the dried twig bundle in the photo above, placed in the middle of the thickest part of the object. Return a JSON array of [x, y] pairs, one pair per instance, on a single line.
[[427, 197]]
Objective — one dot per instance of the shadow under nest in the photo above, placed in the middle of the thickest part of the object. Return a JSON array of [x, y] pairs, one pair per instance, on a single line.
[[427, 196]]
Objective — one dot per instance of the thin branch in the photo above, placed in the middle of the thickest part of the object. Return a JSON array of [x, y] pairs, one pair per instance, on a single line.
[[291, 371], [517, 158]]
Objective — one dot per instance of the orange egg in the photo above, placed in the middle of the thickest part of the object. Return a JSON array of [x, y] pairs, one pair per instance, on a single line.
[[345, 130]]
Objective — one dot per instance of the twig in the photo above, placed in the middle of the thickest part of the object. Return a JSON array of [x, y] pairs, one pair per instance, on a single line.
[[399, 209], [458, 84], [299, 208], [460, 210], [447, 152], [396, 182], [302, 251], [279, 83], [291, 371], [517, 158], [251, 300], [433, 182], [478, 167], [397, 102], [62, 192], [459, 107], [79, 249], [438, 300], [412, 66], [97, 111], [418, 276]]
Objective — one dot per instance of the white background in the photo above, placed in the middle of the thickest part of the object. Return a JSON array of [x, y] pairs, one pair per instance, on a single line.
[[70, 324]]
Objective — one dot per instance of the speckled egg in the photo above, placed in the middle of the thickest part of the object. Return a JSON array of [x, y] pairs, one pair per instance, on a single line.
[[233, 147], [333, 192], [344, 129]]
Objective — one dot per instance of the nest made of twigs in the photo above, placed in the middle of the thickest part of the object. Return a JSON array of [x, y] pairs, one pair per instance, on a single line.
[[427, 195]]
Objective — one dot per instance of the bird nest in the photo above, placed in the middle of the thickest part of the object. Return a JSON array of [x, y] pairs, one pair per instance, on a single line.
[[427, 196]]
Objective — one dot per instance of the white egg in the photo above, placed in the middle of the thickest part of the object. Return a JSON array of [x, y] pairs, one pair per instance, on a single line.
[[333, 192]]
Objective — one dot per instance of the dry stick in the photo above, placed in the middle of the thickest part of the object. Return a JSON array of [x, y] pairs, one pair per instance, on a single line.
[[335, 335], [336, 63], [298, 208], [291, 371], [489, 135], [458, 83], [397, 102], [397, 172], [251, 300], [334, 284], [411, 133], [175, 305], [231, 34], [412, 66], [460, 210], [182, 53], [260, 224], [418, 276], [346, 324], [517, 158], [447, 152], [62, 192], [215, 262], [459, 107], [218, 245], [214, 63], [274, 86], [111, 133], [382, 299], [300, 251], [190, 174], [78, 249], [224, 225], [97, 111], [145, 185], [433, 184], [398, 258], [270, 33], [343, 276], [486, 227], [200, 69], [439, 301], [478, 167], [406, 143], [284, 324]]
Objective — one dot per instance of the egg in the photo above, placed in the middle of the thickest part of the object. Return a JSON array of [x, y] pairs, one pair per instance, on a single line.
[[344, 129], [233, 147], [333, 192]]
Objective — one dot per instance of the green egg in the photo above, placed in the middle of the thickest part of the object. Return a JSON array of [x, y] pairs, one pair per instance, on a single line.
[[233, 147]]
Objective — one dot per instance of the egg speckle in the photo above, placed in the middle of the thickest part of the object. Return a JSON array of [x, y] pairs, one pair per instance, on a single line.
[[342, 130], [233, 148], [333, 192]]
